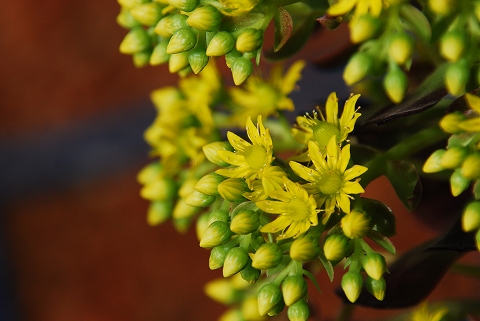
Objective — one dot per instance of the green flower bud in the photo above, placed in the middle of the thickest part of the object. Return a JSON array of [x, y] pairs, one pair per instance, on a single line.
[[231, 57], [277, 309], [211, 152], [357, 68], [452, 45], [159, 54], [232, 189], [167, 26], [241, 70], [159, 190], [185, 72], [364, 28], [304, 249], [250, 274], [477, 238], [232, 315], [201, 225], [458, 182], [216, 234], [456, 77], [471, 166], [453, 157], [323, 131], [471, 217], [442, 7], [135, 41], [268, 297], [177, 62], [217, 256], [182, 224], [221, 44], [147, 14], [249, 40], [128, 4], [208, 183], [222, 290], [218, 215], [395, 84], [198, 199], [245, 222], [198, 59], [401, 47], [336, 247], [206, 18], [159, 211], [376, 287], [183, 211], [375, 265], [294, 288], [450, 123], [356, 224], [142, 58], [184, 5], [236, 259], [182, 40], [477, 10], [352, 283], [250, 309], [299, 311], [433, 163], [150, 173], [268, 256], [187, 188], [126, 20]]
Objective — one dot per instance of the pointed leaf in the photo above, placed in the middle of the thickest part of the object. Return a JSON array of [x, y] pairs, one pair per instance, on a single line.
[[381, 215], [283, 28], [416, 21], [327, 265], [383, 241], [405, 180], [313, 279]]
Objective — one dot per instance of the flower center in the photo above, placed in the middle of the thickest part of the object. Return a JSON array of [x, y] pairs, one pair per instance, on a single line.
[[298, 210], [330, 183], [256, 157], [323, 131]]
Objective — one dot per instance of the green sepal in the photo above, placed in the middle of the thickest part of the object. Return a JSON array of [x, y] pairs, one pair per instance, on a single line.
[[383, 241], [283, 28], [327, 265]]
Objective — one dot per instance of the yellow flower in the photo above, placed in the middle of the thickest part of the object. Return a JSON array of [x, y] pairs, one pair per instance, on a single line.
[[252, 161], [362, 7], [260, 97], [330, 182], [423, 313], [321, 130], [237, 7], [297, 211]]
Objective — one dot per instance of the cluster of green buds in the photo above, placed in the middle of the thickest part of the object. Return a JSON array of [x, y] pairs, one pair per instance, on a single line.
[[390, 33], [462, 156], [187, 33]]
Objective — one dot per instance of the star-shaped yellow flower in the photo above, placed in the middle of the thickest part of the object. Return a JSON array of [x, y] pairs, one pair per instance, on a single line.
[[362, 7], [330, 181]]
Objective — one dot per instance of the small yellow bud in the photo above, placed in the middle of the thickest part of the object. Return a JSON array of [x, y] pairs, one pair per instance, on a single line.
[[182, 40], [299, 311], [159, 54], [245, 222], [442, 7], [217, 256], [159, 211], [135, 41], [201, 225], [235, 260], [277, 309], [141, 59], [184, 211], [249, 40], [450, 123], [458, 182], [250, 274], [231, 57], [401, 47], [268, 256], [456, 77], [363, 28], [452, 45], [323, 131], [433, 163], [222, 290], [336, 247], [150, 173], [356, 224], [294, 288], [471, 217], [178, 62], [304, 249], [241, 70], [375, 265], [453, 157], [395, 84], [206, 18], [357, 68], [184, 5], [352, 283], [232, 189], [147, 14], [211, 152], [218, 215], [128, 4], [126, 20], [250, 309], [198, 59], [160, 189], [471, 166], [376, 287], [208, 183], [199, 199], [268, 297], [232, 315], [167, 26], [221, 44], [216, 234]]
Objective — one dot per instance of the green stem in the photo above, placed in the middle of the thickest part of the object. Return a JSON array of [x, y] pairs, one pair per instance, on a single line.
[[292, 267]]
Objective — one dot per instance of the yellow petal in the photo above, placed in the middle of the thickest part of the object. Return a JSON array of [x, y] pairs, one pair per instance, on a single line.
[[291, 77], [237, 142], [349, 111], [354, 171], [332, 109], [344, 201], [344, 159], [342, 7], [231, 158], [352, 188], [317, 157], [272, 207], [473, 101], [308, 174], [280, 223]]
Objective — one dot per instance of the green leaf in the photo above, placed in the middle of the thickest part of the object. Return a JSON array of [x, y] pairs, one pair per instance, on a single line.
[[313, 279], [383, 241], [232, 24], [405, 180], [416, 21], [279, 268], [382, 216], [283, 28], [327, 265]]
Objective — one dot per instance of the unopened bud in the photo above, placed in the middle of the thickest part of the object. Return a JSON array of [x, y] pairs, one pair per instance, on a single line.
[[249, 40], [277, 309], [211, 152], [250, 309], [184, 5], [357, 68], [268, 297], [221, 44], [217, 256], [250, 274], [442, 7], [294, 288], [142, 58], [218, 215], [451, 122], [376, 287], [268, 256], [159, 54], [356, 224], [199, 199], [206, 18], [150, 173], [401, 47], [232, 189], [245, 222], [477, 239], [299, 311], [352, 283], [363, 28], [395, 84], [456, 77], [236, 259], [458, 182], [336, 247], [375, 265], [159, 211], [135, 41], [198, 59], [216, 234], [304, 249], [128, 4], [201, 225], [232, 315], [222, 290], [177, 62], [159, 190], [184, 211], [452, 45], [126, 20], [182, 40], [147, 14], [231, 57], [208, 183], [323, 131], [471, 166], [167, 26], [471, 217], [433, 163], [453, 157], [241, 70]]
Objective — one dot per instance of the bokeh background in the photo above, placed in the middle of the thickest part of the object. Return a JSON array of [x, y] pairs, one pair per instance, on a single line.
[[74, 243]]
